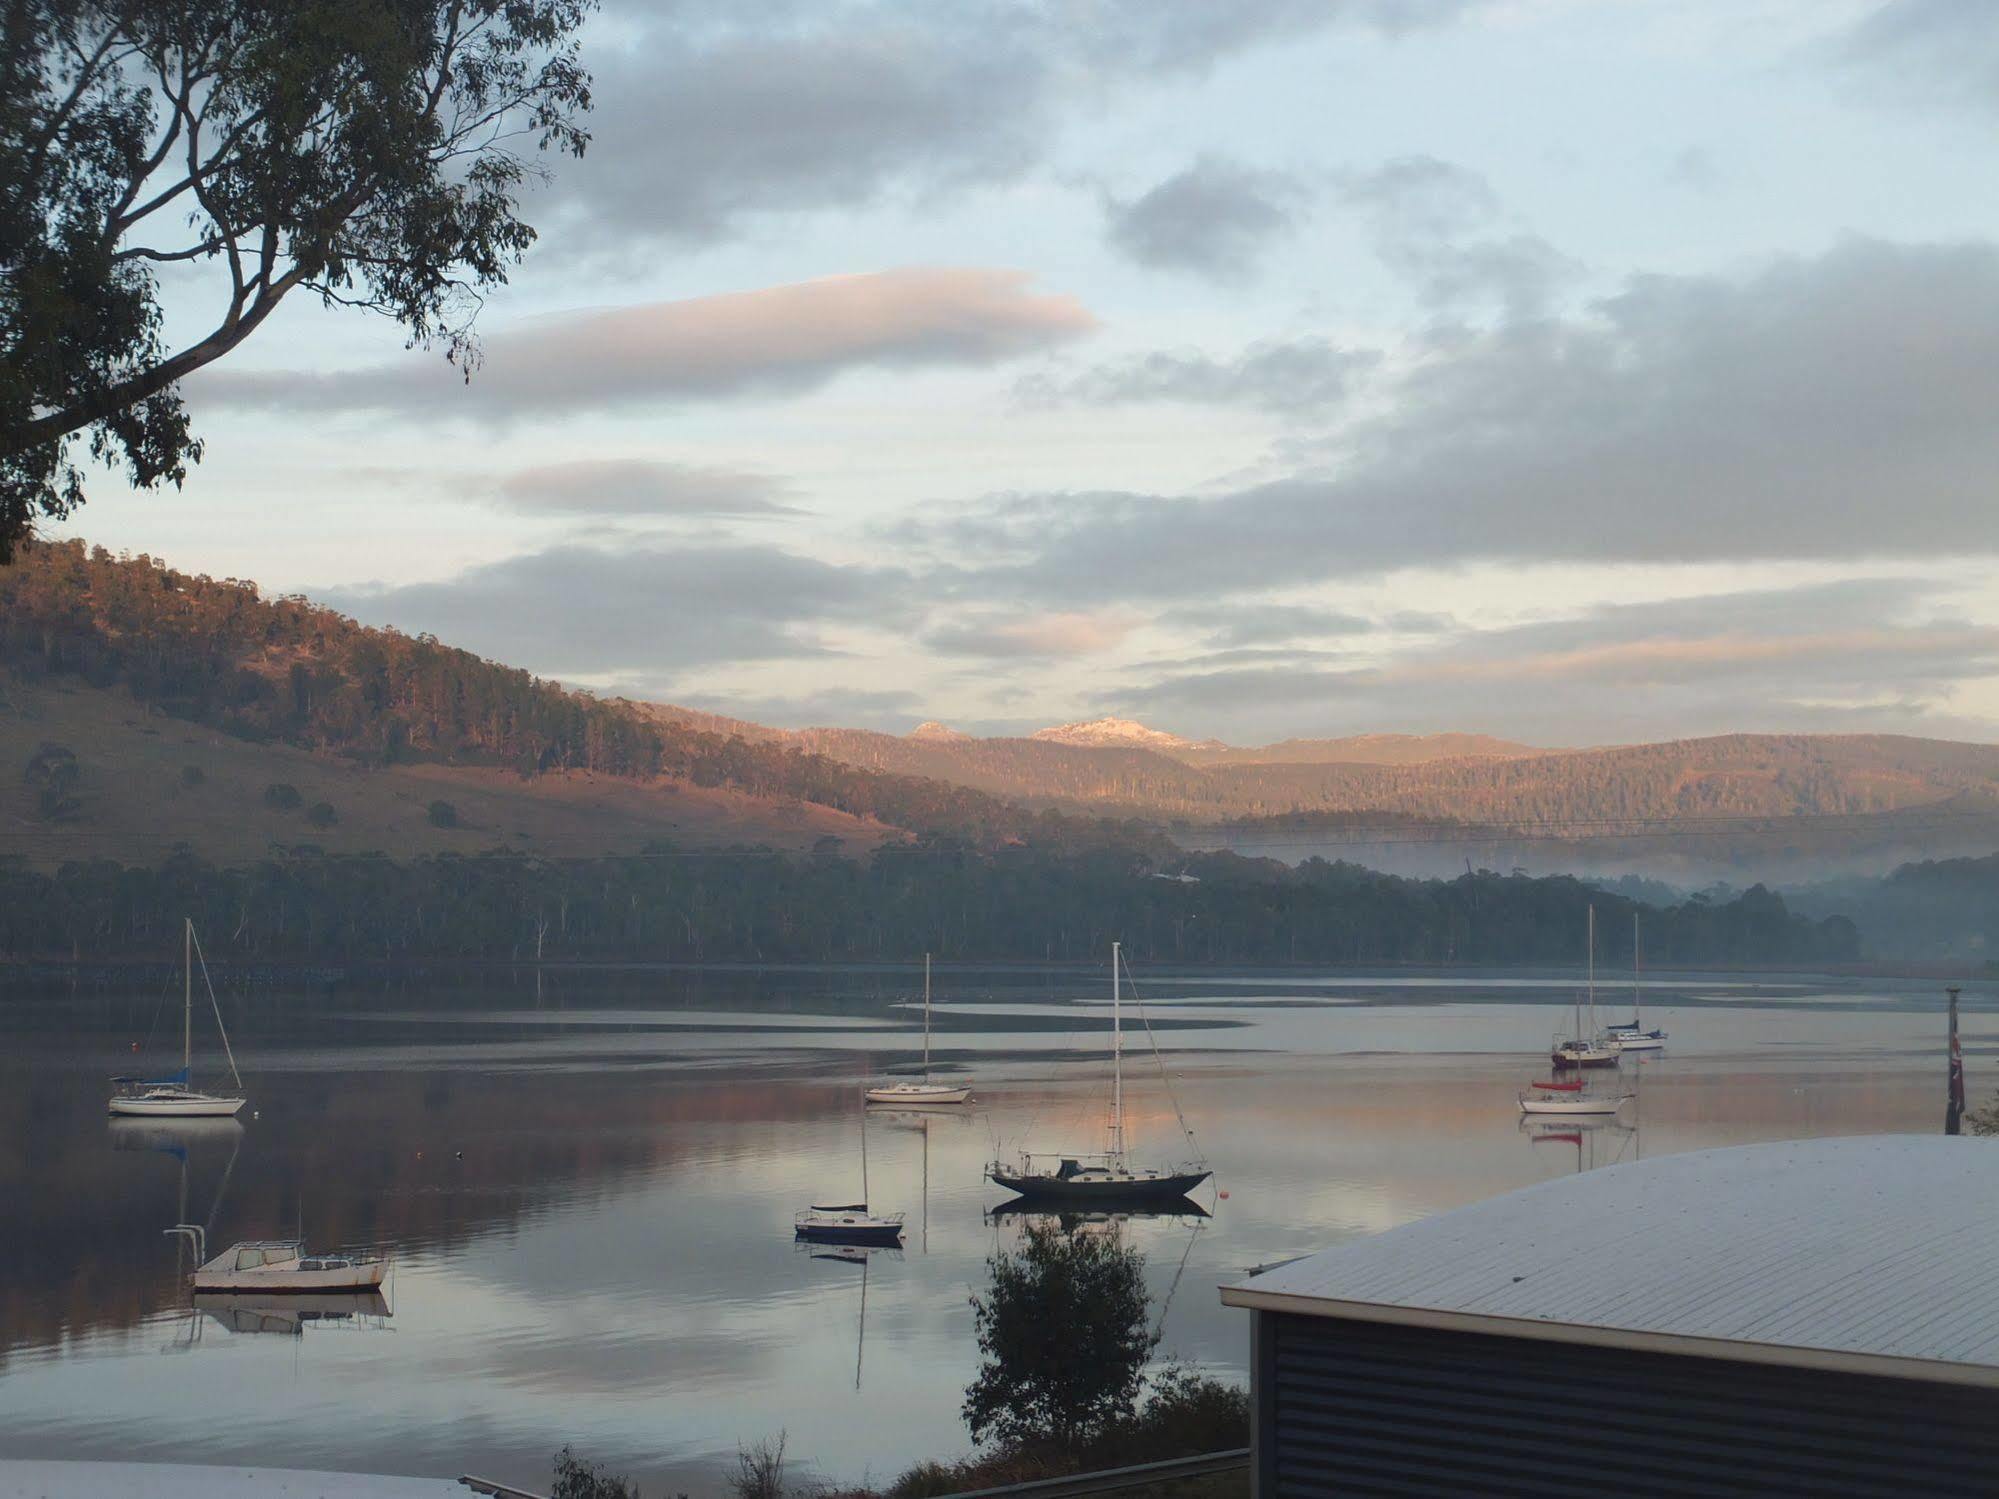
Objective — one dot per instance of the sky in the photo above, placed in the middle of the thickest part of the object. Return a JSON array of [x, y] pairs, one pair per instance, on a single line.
[[1579, 371]]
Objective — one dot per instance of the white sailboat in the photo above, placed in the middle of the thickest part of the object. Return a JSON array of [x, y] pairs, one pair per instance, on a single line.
[[1107, 1175], [175, 1096], [925, 1092], [849, 1222], [1556, 1097], [1587, 1046], [285, 1265], [1632, 1035]]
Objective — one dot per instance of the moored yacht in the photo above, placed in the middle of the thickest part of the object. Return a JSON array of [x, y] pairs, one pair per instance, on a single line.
[[925, 1092], [1631, 1035], [1107, 1175], [1558, 1097], [286, 1265], [849, 1222], [175, 1096], [1586, 1046]]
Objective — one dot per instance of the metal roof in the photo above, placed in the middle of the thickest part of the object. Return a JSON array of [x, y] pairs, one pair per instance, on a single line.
[[1877, 1253]]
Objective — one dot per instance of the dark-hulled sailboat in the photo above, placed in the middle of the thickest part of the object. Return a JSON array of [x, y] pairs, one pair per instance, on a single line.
[[1105, 1176]]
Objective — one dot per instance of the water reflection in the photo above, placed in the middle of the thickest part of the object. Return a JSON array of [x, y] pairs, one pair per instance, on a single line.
[[591, 1202], [1598, 1139], [1029, 1211], [290, 1315], [861, 1255]]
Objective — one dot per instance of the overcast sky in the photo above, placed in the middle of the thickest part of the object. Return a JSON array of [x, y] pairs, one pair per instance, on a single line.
[[1570, 370]]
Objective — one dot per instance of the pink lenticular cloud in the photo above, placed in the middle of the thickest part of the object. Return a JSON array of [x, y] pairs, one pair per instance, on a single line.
[[776, 340]]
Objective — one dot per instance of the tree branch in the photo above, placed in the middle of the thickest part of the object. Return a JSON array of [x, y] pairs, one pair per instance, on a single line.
[[59, 116], [111, 399], [192, 252]]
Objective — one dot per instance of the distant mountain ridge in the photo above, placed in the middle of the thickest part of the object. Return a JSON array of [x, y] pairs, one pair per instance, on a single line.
[[1734, 775], [77, 623], [1364, 749]]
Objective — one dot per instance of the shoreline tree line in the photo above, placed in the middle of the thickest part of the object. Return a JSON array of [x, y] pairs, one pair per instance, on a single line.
[[1013, 903]]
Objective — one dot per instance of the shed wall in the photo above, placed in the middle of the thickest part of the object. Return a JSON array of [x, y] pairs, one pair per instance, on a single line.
[[1358, 1408]]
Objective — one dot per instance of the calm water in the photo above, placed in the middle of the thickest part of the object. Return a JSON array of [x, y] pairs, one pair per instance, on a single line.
[[589, 1184]]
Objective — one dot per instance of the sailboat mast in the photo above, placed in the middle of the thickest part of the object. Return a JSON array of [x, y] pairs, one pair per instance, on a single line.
[[864, 1150], [1637, 1006], [1117, 1055], [1578, 1031], [1592, 968], [926, 1017], [187, 1000]]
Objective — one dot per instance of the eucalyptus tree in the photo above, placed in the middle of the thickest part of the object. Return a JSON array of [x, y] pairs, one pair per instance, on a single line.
[[370, 153]]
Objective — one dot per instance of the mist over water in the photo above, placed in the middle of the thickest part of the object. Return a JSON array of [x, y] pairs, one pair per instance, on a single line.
[[589, 1181]]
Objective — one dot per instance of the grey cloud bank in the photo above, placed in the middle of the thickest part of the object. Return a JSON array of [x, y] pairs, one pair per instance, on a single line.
[[637, 487], [579, 611], [712, 115], [1836, 407], [1310, 375], [1921, 50], [1851, 656], [1423, 214], [1213, 218]]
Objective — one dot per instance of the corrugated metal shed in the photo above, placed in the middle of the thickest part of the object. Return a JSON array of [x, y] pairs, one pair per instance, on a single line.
[[1877, 1254]]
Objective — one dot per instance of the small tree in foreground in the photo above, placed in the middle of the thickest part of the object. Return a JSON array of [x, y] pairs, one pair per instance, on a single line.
[[576, 1479], [760, 1470], [1984, 1121], [1062, 1330]]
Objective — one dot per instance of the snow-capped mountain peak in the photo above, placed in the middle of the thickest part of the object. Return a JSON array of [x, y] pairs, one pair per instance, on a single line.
[[1099, 732]]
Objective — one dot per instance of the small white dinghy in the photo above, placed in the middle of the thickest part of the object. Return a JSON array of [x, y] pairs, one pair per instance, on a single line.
[[925, 1092], [286, 1265], [175, 1096]]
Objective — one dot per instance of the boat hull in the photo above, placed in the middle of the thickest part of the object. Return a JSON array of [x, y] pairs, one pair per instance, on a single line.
[[872, 1233], [1651, 1041], [1048, 1188], [1566, 1060], [176, 1108], [366, 1276], [918, 1094], [1570, 1105]]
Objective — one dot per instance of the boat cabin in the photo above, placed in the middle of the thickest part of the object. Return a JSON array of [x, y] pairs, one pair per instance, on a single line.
[[256, 1255]]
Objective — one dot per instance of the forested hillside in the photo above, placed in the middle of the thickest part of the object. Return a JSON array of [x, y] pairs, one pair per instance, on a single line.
[[217, 653], [1360, 749], [1761, 775], [93, 773], [1010, 904]]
